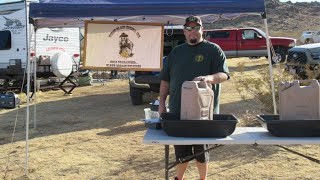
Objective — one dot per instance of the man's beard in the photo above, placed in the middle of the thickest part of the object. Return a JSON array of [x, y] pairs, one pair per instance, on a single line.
[[193, 41]]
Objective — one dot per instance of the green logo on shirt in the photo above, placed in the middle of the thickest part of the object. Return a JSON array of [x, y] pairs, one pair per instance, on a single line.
[[199, 58]]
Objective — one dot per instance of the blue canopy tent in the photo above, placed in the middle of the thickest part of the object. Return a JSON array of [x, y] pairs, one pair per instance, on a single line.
[[49, 13], [72, 13]]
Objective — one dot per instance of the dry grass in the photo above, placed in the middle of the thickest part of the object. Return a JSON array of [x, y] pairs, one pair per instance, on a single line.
[[97, 134]]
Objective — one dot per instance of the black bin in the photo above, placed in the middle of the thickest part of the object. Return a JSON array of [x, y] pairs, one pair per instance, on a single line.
[[223, 125], [290, 128]]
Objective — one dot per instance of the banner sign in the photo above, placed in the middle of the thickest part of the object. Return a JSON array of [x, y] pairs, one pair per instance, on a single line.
[[111, 45]]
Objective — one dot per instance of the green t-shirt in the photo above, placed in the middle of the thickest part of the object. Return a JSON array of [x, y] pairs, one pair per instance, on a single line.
[[185, 62]]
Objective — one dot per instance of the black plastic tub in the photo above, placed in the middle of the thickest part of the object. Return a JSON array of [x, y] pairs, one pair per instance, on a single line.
[[290, 128], [223, 125], [152, 123]]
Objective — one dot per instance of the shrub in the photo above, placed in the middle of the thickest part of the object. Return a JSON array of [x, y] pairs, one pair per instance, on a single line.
[[258, 87]]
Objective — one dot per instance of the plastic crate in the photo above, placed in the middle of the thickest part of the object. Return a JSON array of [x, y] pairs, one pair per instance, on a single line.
[[290, 128]]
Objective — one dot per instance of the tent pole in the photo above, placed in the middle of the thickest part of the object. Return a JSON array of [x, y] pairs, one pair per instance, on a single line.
[[35, 80], [270, 66], [28, 93]]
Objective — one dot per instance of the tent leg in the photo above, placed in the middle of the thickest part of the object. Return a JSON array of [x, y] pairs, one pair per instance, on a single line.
[[166, 157], [26, 169], [34, 79], [270, 67]]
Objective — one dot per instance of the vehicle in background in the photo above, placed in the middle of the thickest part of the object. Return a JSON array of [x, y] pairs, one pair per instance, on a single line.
[[308, 37], [141, 82], [249, 42], [303, 58]]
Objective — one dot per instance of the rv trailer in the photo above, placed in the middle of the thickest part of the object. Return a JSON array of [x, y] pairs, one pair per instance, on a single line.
[[56, 51], [13, 40]]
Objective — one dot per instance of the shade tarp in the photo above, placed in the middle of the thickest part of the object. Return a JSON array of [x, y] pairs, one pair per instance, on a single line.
[[64, 13]]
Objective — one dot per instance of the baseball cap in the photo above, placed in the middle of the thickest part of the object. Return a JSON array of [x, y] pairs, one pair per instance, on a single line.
[[194, 19]]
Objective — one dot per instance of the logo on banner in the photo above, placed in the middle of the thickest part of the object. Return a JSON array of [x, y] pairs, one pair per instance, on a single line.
[[126, 46]]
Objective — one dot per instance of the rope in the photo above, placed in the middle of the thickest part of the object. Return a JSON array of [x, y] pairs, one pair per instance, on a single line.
[[302, 155], [14, 130]]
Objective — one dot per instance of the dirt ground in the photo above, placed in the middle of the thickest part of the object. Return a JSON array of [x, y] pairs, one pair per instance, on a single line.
[[97, 134]]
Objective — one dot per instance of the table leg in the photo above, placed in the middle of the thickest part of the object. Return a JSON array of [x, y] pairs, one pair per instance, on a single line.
[[166, 157]]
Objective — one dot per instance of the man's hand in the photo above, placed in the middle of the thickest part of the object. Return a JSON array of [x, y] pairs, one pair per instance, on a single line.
[[213, 79], [162, 109], [208, 79], [164, 91]]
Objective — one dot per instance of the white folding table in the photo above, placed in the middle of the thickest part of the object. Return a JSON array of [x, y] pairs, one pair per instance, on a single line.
[[241, 135]]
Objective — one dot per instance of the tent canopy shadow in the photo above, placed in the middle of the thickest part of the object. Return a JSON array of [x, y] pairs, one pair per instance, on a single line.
[[108, 111]]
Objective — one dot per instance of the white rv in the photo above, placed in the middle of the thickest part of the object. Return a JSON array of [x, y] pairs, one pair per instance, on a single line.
[[57, 49], [13, 40], [49, 43], [52, 40]]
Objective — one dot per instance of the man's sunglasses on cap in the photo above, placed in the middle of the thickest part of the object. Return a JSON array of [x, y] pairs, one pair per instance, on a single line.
[[189, 28]]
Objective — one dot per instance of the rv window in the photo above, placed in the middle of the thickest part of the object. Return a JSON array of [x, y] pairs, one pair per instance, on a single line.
[[5, 40]]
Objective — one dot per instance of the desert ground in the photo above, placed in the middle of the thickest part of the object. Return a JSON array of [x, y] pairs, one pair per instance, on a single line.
[[97, 134]]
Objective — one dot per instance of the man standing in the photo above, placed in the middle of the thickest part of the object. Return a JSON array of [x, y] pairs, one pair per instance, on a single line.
[[197, 60]]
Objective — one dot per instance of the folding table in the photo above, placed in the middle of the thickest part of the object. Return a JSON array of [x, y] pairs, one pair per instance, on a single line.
[[241, 135]]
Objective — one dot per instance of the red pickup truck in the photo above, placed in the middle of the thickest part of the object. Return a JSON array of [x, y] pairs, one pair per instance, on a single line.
[[249, 42]]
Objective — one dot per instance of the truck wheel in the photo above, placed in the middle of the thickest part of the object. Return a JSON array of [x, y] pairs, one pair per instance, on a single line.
[[136, 96], [280, 56]]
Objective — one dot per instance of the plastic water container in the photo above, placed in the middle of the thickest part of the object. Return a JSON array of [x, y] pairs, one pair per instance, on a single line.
[[151, 114], [196, 101], [299, 102]]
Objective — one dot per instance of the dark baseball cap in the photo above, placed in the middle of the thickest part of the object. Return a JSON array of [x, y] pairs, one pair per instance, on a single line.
[[194, 19]]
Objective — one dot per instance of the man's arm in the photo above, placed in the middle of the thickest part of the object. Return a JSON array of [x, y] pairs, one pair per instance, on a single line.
[[164, 91], [214, 78]]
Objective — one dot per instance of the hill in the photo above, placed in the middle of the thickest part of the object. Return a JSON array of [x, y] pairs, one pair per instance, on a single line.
[[284, 18]]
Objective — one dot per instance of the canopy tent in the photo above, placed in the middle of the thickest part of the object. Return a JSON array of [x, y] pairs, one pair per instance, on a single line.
[[64, 13], [72, 13]]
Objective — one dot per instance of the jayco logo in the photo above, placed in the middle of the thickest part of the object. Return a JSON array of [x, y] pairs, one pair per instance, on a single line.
[[56, 38], [14, 25]]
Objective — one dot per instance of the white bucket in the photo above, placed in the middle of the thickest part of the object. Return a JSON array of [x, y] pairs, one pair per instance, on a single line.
[[150, 114]]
